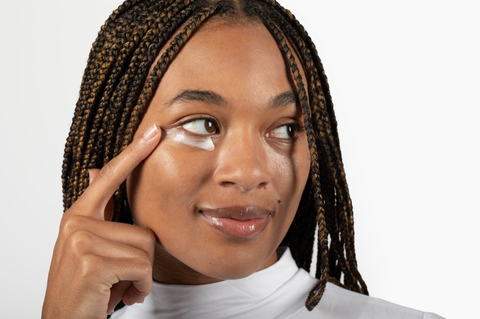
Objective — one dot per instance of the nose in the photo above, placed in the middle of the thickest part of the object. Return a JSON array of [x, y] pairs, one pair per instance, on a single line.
[[242, 163]]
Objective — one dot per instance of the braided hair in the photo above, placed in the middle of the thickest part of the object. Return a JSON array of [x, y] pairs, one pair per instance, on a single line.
[[120, 80]]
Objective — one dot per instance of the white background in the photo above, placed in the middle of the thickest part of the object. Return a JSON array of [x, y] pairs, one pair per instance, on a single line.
[[404, 77]]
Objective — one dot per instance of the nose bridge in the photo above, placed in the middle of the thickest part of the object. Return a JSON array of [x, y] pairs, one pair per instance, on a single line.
[[242, 160]]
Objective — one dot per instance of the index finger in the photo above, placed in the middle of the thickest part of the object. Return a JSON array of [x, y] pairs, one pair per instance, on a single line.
[[117, 170]]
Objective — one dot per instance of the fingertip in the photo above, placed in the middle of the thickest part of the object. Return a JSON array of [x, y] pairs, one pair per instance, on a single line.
[[130, 302], [133, 295], [152, 132], [115, 172]]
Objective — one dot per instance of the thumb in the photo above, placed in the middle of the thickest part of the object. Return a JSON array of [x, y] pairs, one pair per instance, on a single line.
[[108, 213]]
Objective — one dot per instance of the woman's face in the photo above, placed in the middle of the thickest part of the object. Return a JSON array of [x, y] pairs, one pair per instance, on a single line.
[[223, 186]]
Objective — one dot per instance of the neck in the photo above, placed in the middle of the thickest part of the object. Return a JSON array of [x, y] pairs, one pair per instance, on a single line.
[[169, 270]]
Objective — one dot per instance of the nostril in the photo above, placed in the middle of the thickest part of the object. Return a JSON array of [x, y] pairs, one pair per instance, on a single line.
[[227, 183]]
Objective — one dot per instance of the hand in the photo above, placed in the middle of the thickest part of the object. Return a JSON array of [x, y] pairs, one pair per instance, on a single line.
[[96, 262]]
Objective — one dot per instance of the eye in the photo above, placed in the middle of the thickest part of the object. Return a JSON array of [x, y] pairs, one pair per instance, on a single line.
[[286, 131], [201, 126]]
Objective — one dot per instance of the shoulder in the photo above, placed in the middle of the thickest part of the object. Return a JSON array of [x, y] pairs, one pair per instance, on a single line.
[[340, 303]]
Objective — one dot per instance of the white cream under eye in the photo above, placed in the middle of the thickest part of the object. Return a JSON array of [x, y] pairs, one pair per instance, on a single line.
[[180, 136]]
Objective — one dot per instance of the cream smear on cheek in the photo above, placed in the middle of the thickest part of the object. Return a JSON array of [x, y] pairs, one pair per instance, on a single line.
[[180, 136]]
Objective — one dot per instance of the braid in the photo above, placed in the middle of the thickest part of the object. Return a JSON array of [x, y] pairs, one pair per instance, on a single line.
[[339, 258], [120, 80], [318, 290], [345, 211], [137, 72], [147, 93]]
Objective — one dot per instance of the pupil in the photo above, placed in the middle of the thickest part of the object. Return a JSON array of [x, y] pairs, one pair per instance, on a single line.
[[209, 126], [291, 131]]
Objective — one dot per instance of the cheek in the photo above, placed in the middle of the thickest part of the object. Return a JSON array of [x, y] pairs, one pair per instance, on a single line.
[[166, 183], [290, 170]]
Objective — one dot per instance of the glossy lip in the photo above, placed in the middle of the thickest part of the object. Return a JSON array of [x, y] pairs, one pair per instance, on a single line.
[[237, 221]]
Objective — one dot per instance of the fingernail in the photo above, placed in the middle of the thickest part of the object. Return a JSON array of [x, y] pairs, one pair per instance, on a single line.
[[151, 132]]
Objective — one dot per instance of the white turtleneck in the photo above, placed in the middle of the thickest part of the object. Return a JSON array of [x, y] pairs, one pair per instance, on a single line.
[[278, 291]]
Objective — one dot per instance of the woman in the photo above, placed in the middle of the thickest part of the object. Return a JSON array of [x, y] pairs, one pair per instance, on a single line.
[[214, 128]]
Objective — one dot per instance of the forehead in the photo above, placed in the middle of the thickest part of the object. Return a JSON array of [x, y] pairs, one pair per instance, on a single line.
[[231, 59]]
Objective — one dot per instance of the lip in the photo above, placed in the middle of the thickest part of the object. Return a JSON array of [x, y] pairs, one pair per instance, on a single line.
[[238, 222]]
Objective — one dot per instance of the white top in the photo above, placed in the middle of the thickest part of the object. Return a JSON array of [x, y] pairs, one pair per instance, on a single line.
[[278, 291]]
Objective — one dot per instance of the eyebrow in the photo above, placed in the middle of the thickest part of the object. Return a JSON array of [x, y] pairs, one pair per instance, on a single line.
[[212, 98], [284, 99], [207, 97]]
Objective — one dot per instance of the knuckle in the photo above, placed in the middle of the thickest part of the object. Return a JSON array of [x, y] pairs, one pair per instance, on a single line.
[[145, 265], [133, 148], [150, 237], [108, 171], [71, 225], [80, 242]]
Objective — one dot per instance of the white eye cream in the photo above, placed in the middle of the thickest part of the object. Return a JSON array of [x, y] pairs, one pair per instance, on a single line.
[[180, 136]]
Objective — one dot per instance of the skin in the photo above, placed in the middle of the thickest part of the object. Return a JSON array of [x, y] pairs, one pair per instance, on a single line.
[[95, 262], [249, 167], [255, 163]]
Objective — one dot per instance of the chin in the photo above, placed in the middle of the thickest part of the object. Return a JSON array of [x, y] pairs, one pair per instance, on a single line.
[[214, 262], [235, 265]]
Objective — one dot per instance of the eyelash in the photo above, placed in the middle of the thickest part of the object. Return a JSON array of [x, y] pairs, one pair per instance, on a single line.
[[297, 127]]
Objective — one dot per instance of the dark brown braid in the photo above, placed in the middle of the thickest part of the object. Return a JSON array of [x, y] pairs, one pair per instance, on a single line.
[[117, 87], [315, 169]]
